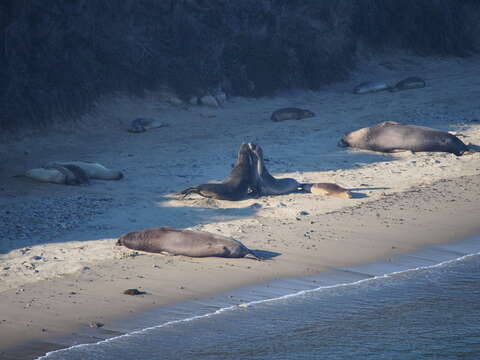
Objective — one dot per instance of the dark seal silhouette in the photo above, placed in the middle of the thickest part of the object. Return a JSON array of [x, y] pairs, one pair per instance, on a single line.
[[291, 114], [235, 186], [184, 242], [390, 136]]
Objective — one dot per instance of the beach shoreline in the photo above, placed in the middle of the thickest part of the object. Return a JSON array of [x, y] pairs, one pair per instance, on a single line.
[[60, 269]]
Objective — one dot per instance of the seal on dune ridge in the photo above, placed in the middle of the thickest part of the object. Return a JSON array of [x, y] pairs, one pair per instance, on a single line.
[[264, 182], [93, 170], [291, 113], [391, 136], [371, 87], [235, 186], [328, 189], [184, 242], [143, 124]]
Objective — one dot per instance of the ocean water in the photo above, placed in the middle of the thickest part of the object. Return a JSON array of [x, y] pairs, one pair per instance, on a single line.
[[421, 306]]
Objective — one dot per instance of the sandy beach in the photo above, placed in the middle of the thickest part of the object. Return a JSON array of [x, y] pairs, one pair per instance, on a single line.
[[60, 269]]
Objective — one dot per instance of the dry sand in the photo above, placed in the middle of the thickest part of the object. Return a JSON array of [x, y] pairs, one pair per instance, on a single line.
[[60, 270]]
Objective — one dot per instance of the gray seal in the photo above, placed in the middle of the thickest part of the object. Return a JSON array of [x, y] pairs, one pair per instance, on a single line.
[[264, 182], [390, 136], [413, 82], [235, 187], [184, 242], [291, 113], [371, 87]]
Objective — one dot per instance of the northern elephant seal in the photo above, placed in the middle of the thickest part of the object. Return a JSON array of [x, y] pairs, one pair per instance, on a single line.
[[93, 170], [328, 189], [371, 87], [57, 174], [184, 242], [412, 82], [74, 175], [235, 186], [291, 113], [264, 182], [143, 124], [390, 136]]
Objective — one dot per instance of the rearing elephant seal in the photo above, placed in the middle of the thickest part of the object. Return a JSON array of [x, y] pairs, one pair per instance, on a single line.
[[390, 136], [291, 114], [264, 182], [184, 242], [235, 186]]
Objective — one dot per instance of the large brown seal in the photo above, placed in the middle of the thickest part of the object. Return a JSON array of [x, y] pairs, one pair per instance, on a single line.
[[291, 114], [184, 242], [235, 186], [264, 182], [390, 136]]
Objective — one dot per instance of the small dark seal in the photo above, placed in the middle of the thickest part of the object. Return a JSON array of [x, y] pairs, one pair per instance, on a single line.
[[184, 242], [390, 136], [264, 182], [134, 292], [291, 113], [235, 186]]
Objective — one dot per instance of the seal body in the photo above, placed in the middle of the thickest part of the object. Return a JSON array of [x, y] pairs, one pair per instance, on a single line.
[[91, 169], [74, 175], [291, 114], [327, 189], [184, 242], [49, 175], [235, 186], [412, 82], [264, 182], [391, 136], [371, 87], [143, 124]]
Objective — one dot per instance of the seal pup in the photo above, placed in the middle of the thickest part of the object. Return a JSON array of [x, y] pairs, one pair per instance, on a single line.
[[235, 186], [413, 82], [184, 242], [143, 124], [56, 174], [93, 170], [264, 182], [291, 113], [371, 87], [391, 136], [328, 189], [74, 175]]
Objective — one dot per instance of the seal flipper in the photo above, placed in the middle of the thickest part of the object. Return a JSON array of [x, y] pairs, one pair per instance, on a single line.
[[251, 255]]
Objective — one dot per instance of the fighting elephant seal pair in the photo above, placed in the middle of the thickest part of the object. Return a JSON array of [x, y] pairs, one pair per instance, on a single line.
[[391, 136], [184, 242]]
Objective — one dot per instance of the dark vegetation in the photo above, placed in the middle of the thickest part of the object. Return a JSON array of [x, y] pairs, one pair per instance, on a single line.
[[58, 56]]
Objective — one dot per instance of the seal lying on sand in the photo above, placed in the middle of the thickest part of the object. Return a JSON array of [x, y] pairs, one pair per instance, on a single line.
[[264, 182], [143, 124], [370, 87], [390, 136], [413, 82], [93, 170], [291, 114], [235, 186], [184, 242], [65, 175], [328, 189]]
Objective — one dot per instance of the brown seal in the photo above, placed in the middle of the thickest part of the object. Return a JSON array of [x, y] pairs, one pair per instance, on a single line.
[[235, 186], [291, 114], [328, 189], [391, 136], [184, 242], [264, 182]]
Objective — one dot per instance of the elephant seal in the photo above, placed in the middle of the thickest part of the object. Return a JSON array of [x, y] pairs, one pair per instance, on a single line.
[[57, 174], [390, 136], [412, 82], [74, 175], [184, 242], [264, 182], [235, 186], [328, 189], [93, 170], [371, 87], [291, 114], [143, 124]]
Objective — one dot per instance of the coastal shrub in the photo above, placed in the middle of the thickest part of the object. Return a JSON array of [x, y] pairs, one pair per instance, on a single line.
[[58, 57]]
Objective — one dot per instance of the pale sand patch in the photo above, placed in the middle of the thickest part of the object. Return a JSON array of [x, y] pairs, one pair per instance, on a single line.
[[60, 268]]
